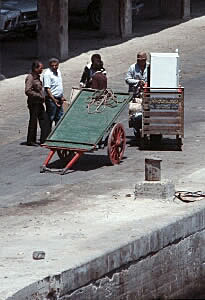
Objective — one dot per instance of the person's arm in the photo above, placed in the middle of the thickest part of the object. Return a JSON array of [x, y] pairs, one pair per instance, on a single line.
[[48, 91], [29, 91], [84, 77], [63, 99], [129, 78]]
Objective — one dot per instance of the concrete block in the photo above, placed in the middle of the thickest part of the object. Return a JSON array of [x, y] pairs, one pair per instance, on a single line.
[[157, 190]]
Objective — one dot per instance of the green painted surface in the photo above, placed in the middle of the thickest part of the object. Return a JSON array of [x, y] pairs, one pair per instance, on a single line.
[[71, 146], [79, 127]]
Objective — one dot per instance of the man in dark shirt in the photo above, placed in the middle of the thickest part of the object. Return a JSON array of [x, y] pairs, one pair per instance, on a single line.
[[35, 93], [99, 79], [90, 71]]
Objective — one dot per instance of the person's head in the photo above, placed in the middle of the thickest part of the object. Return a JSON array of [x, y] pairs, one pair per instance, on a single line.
[[96, 60], [141, 59], [37, 67], [99, 66], [53, 64]]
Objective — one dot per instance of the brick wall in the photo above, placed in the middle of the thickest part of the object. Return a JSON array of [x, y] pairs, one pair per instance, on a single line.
[[173, 272], [165, 263]]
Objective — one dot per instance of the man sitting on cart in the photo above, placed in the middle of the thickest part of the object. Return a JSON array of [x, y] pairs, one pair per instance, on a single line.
[[136, 78]]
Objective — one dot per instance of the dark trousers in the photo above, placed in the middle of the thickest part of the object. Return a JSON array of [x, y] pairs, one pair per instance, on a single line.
[[54, 112], [37, 114]]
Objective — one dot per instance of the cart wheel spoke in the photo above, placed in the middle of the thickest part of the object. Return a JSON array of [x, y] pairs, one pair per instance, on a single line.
[[65, 155], [112, 150], [116, 143]]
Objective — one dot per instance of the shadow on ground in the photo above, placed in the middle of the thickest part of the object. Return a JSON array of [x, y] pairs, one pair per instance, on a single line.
[[17, 52], [166, 144], [87, 162]]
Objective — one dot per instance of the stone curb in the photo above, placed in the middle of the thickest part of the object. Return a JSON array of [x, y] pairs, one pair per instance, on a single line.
[[71, 280]]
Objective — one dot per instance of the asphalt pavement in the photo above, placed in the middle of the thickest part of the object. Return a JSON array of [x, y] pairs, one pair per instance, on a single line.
[[21, 180]]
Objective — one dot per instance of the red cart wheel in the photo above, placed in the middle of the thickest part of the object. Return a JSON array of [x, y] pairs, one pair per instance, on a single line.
[[65, 154], [116, 143]]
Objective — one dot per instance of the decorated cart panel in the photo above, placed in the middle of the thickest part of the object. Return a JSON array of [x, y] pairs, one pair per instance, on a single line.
[[163, 112]]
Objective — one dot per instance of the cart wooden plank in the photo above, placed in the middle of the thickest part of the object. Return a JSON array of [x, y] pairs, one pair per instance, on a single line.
[[163, 111], [162, 131], [175, 121], [158, 127], [70, 146]]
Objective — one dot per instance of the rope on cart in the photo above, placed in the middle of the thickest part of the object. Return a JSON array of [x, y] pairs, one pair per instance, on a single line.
[[102, 99], [186, 196]]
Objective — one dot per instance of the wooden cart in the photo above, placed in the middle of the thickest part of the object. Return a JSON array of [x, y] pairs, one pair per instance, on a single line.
[[162, 114], [88, 124]]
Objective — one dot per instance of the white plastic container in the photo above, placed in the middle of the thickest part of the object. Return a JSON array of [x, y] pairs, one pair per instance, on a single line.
[[164, 70]]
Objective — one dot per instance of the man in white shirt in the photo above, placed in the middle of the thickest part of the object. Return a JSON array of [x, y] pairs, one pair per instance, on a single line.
[[136, 77], [137, 74], [52, 82]]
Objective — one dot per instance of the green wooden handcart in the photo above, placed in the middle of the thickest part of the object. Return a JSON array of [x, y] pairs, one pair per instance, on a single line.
[[88, 124]]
